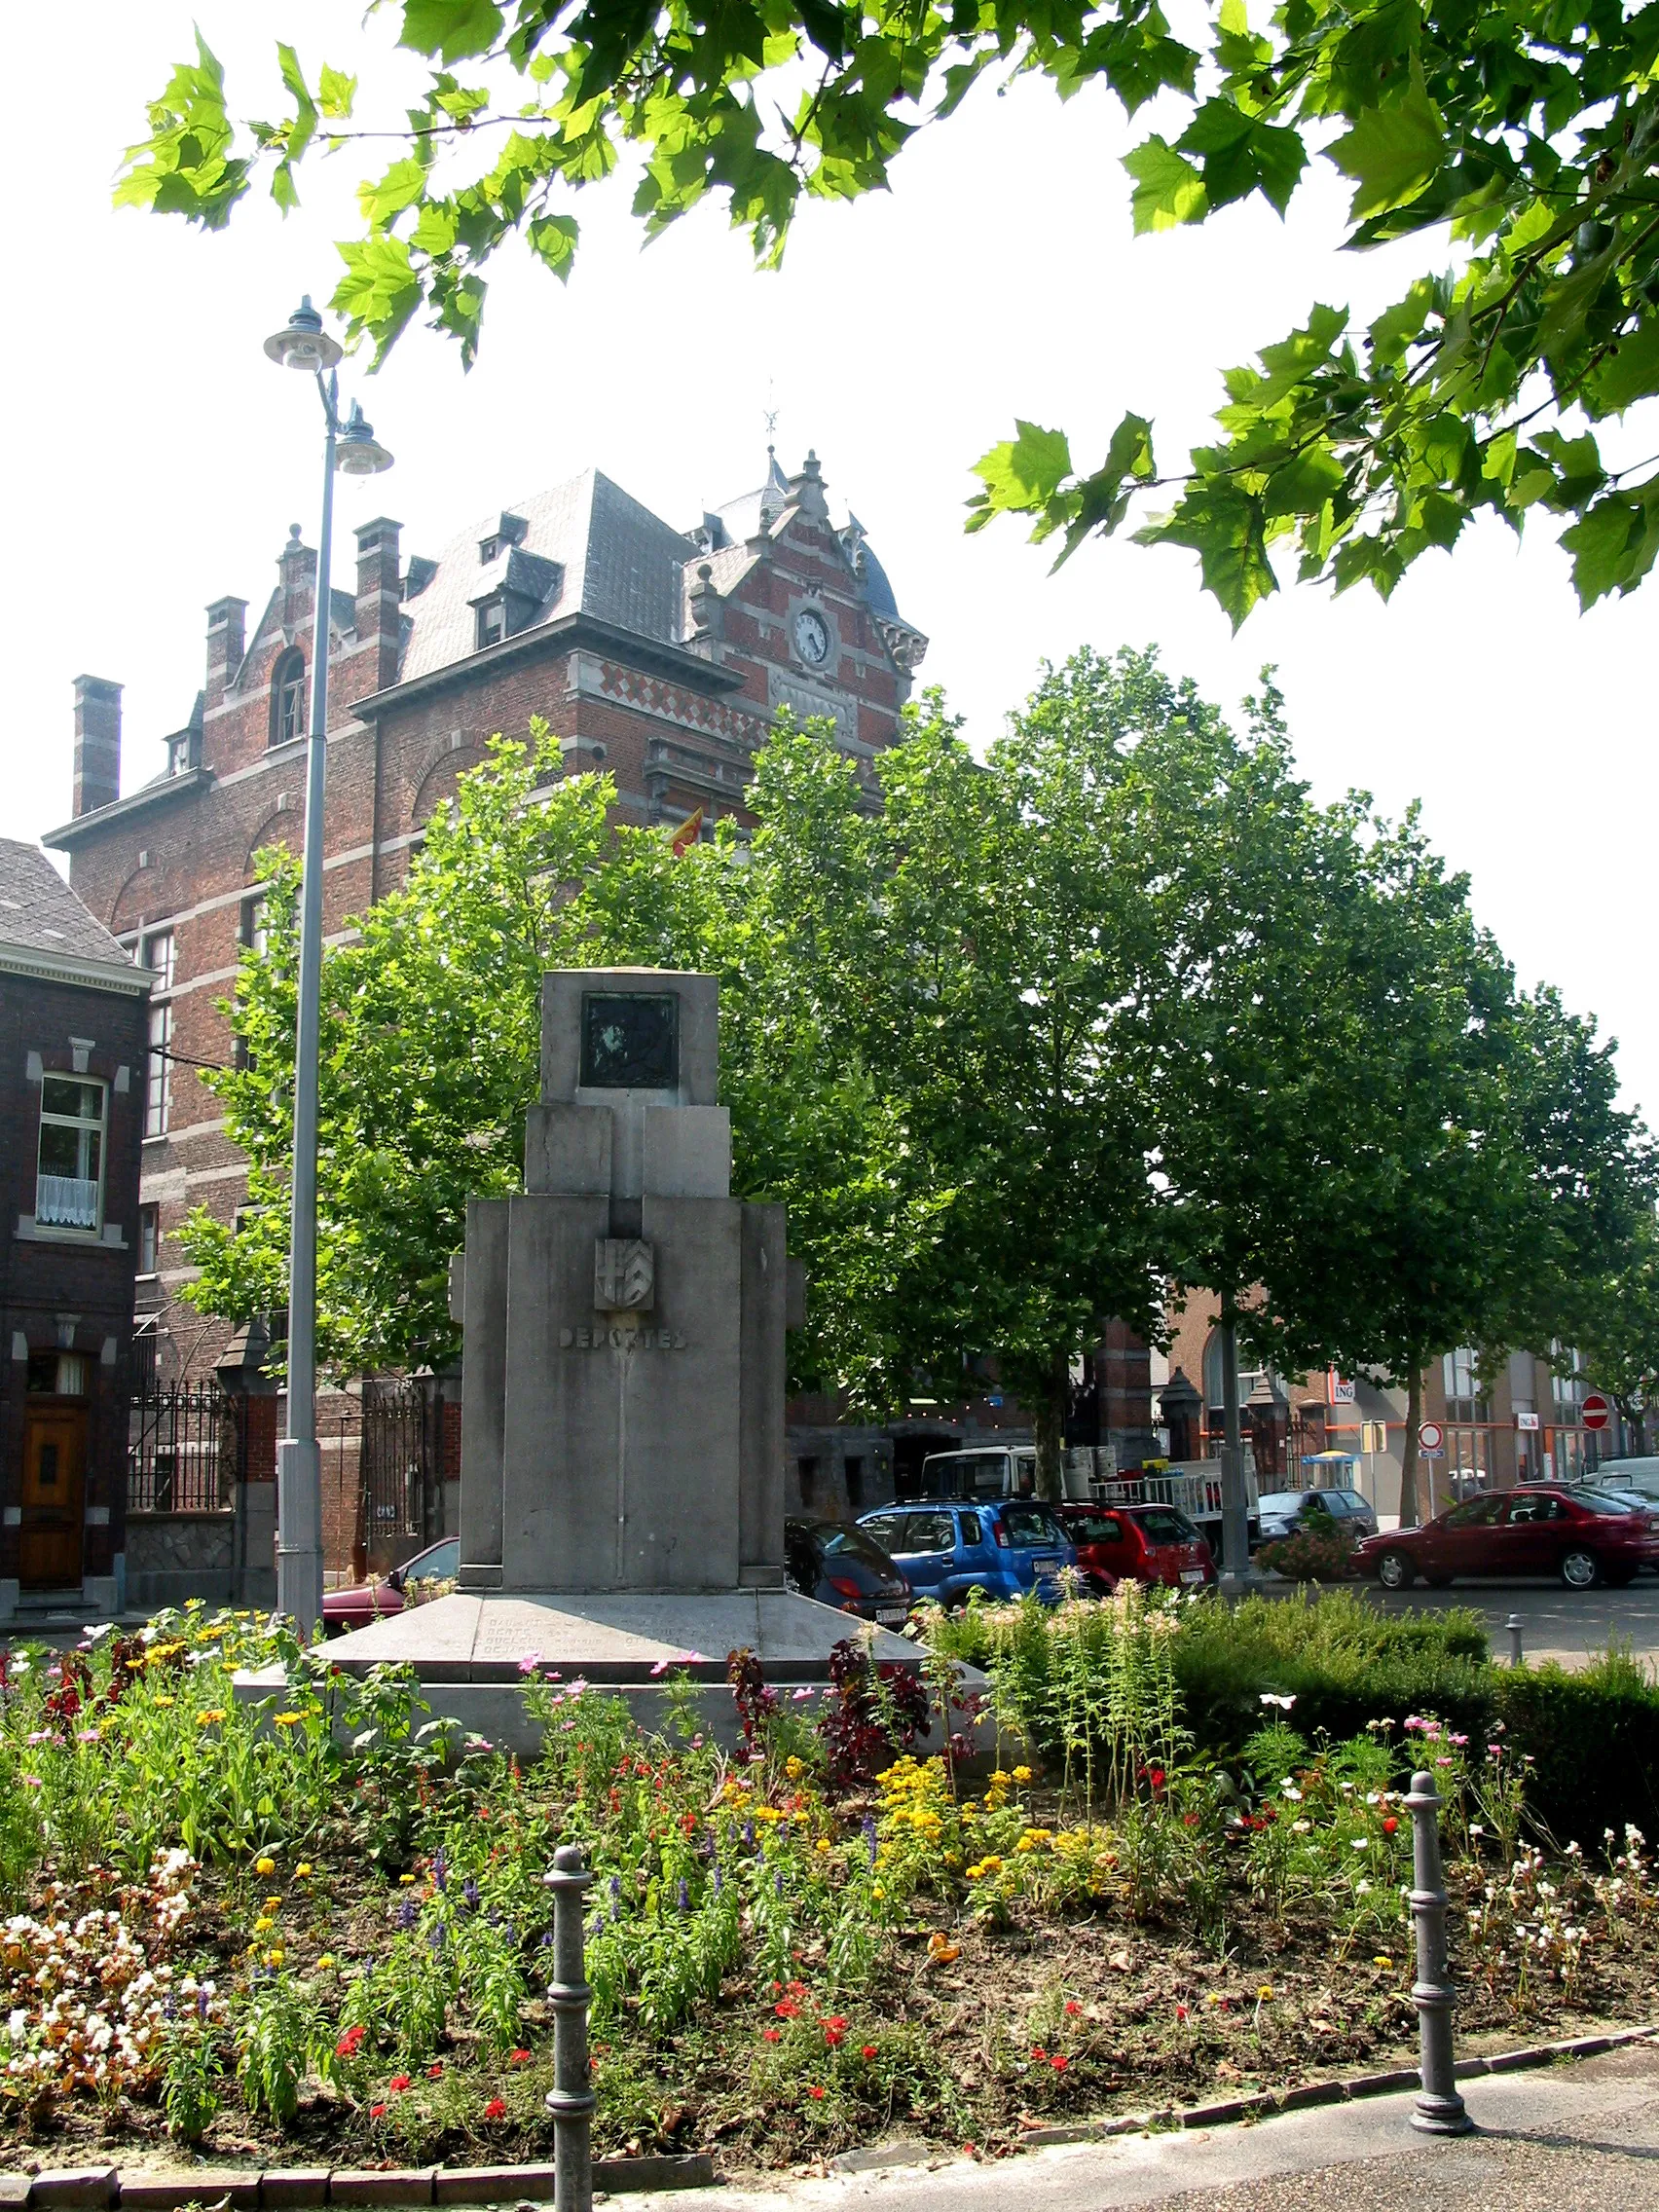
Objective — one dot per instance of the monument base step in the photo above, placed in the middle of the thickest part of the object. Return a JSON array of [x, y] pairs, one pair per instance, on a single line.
[[472, 1652]]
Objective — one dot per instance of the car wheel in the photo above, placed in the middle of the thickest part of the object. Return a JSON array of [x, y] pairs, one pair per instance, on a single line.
[[1395, 1572], [1580, 1570]]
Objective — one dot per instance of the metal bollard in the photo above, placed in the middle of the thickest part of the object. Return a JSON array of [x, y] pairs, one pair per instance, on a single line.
[[571, 2100], [1514, 1624], [1440, 2110]]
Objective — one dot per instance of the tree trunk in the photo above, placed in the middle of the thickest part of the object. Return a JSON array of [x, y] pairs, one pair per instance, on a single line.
[[1408, 1456], [1049, 1419]]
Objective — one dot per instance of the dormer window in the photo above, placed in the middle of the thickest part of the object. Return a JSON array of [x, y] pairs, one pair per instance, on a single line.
[[180, 762], [288, 698], [490, 549], [493, 621], [511, 530]]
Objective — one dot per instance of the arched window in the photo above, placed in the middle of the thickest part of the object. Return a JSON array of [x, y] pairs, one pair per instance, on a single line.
[[288, 698]]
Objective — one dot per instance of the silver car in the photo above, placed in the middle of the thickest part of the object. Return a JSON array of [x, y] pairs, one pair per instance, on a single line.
[[1283, 1511]]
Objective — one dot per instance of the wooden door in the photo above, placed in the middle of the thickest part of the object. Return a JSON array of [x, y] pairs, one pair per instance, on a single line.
[[54, 1467]]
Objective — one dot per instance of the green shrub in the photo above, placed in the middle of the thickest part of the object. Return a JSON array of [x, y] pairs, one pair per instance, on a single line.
[[1319, 1552], [1593, 1736]]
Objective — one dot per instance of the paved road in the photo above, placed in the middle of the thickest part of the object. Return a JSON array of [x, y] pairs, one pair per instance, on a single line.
[[1569, 1625], [1575, 2139]]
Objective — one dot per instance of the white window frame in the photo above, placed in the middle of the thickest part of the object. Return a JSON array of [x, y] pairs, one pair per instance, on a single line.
[[79, 1231], [160, 958]]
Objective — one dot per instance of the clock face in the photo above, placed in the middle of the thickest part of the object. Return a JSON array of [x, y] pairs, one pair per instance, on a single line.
[[812, 637], [630, 1042]]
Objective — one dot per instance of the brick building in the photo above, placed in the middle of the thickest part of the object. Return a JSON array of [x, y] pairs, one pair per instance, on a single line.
[[660, 653], [72, 1051]]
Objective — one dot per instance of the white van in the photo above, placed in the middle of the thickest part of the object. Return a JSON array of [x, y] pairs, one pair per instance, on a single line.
[[1638, 1475]]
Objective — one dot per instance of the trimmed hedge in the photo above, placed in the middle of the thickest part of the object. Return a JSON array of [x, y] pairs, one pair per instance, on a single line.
[[1594, 1738]]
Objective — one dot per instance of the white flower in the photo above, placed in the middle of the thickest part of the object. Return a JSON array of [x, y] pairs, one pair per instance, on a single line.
[[1302, 1828], [1272, 1697], [1290, 1791], [1359, 1843]]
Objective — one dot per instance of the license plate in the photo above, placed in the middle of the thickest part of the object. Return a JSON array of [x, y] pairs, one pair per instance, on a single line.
[[1191, 1575], [891, 1616]]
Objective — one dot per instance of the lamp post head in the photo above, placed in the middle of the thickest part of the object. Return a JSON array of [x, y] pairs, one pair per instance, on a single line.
[[304, 344], [357, 452]]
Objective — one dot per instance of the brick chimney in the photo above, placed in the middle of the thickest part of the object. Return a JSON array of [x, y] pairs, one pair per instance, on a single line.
[[97, 743], [296, 571], [227, 641], [380, 598]]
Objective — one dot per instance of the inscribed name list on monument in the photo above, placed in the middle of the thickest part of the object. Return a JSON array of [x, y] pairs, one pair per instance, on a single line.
[[621, 1470]]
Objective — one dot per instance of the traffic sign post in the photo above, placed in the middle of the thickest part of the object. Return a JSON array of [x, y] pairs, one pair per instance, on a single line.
[[1432, 1441], [1595, 1412]]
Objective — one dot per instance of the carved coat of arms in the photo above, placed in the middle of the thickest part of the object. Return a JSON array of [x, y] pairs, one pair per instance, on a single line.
[[624, 1276]]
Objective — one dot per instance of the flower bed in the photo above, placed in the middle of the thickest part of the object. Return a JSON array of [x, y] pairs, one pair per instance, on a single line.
[[322, 1932]]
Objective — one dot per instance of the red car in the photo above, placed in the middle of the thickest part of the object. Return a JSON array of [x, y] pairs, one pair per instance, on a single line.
[[366, 1601], [1148, 1544], [1582, 1535]]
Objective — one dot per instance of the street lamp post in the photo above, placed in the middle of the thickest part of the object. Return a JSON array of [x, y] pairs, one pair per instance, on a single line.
[[351, 447]]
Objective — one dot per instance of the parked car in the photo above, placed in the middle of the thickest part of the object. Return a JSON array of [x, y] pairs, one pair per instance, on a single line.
[[1585, 1536], [841, 1564], [1147, 1543], [1284, 1511], [999, 1470], [1627, 1475], [366, 1601], [1005, 1548]]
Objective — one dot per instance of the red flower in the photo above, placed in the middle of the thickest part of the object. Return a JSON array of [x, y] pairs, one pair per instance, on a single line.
[[835, 2032], [377, 2112], [814, 2091], [435, 2073], [349, 2043], [1180, 2012], [1073, 2008], [518, 2058], [496, 2109], [1157, 1777], [772, 2034], [1038, 2053], [399, 2083], [1059, 2062], [788, 2010], [1390, 1824], [868, 2050]]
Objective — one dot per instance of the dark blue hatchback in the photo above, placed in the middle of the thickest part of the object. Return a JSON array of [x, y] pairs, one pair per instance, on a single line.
[[1003, 1548]]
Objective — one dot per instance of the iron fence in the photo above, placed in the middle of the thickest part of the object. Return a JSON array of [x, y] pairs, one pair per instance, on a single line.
[[186, 1447], [402, 1458]]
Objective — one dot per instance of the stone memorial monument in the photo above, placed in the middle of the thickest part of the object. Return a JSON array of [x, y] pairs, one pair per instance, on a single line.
[[623, 1429], [623, 1410]]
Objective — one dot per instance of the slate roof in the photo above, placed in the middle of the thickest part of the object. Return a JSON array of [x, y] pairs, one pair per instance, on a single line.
[[614, 561], [39, 910]]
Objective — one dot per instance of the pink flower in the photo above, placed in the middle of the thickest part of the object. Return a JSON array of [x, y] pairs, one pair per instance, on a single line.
[[530, 1662], [31, 1781], [661, 1667]]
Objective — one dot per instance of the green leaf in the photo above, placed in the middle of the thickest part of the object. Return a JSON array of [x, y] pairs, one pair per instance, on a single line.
[[450, 29], [1225, 527], [1393, 152], [380, 290], [403, 185], [1629, 375], [1169, 189], [336, 92], [1304, 485], [553, 241], [1612, 547], [1021, 475]]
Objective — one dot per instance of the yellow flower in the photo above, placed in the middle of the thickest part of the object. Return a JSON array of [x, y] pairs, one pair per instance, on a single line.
[[1022, 1774], [290, 1719], [406, 1878], [164, 1701], [265, 1865], [273, 1958], [303, 1870], [1382, 1960], [823, 1843], [264, 1925], [876, 1889], [795, 1768], [1264, 1993], [325, 1963], [210, 1719], [273, 1905]]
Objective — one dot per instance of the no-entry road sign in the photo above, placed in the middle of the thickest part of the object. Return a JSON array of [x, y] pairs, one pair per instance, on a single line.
[[1431, 1439], [1595, 1412]]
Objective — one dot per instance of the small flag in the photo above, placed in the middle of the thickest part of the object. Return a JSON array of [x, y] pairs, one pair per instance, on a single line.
[[689, 832]]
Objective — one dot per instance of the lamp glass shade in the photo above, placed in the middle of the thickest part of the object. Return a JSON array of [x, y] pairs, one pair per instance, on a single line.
[[357, 453], [303, 344]]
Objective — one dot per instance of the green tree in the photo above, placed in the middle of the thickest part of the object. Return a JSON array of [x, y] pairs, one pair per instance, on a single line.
[[1618, 1328], [1527, 130]]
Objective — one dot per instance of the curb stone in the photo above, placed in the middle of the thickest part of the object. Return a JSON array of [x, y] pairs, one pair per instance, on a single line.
[[308, 2188]]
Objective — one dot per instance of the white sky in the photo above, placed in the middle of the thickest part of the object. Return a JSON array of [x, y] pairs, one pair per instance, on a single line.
[[157, 458]]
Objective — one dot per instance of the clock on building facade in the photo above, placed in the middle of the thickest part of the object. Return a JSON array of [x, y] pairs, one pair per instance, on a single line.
[[812, 637]]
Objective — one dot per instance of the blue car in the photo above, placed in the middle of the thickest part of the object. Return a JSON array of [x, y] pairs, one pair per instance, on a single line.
[[1003, 1548]]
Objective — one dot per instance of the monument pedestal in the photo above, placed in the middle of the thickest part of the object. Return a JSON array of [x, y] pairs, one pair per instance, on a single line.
[[471, 1652]]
